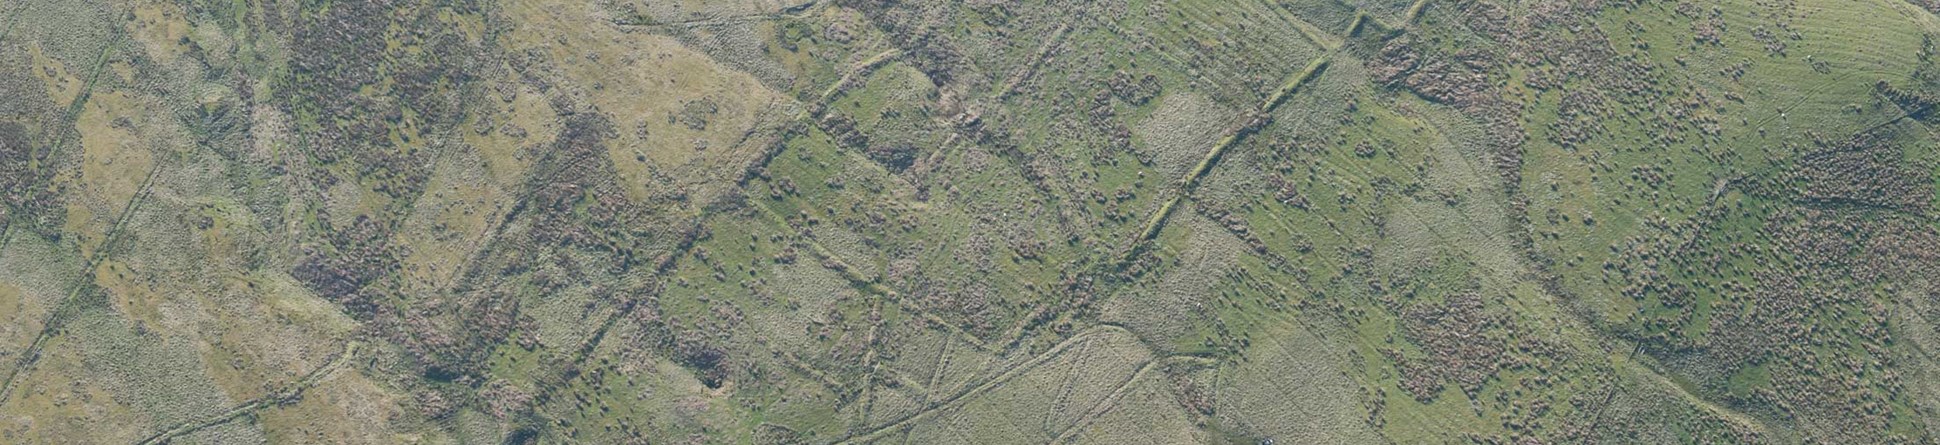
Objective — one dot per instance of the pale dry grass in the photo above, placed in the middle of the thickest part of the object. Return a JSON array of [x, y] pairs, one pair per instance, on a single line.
[[852, 248], [39, 275], [162, 377], [1290, 389], [809, 292], [460, 206], [1915, 317], [345, 408], [1148, 412], [1040, 403], [1176, 135], [1180, 302], [643, 82], [116, 155], [64, 404]]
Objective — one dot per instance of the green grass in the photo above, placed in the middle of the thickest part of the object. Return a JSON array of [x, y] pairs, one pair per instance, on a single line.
[[1086, 263]]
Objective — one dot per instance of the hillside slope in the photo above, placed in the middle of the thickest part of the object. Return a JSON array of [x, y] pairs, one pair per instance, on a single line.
[[929, 221]]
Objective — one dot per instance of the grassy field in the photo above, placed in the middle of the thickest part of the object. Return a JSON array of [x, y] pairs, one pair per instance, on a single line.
[[1071, 221]]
